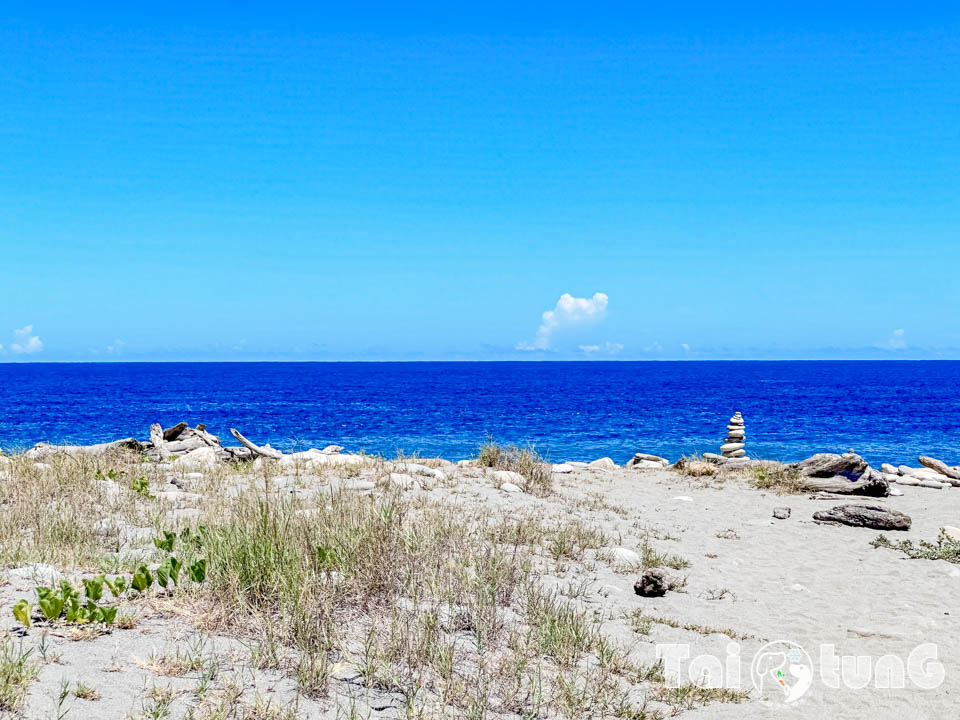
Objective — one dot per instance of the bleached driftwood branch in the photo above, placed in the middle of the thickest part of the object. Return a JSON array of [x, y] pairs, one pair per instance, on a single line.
[[256, 449]]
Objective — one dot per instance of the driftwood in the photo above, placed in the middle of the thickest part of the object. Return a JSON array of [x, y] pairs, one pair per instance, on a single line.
[[869, 516], [256, 449], [173, 433], [847, 474], [941, 467], [41, 450]]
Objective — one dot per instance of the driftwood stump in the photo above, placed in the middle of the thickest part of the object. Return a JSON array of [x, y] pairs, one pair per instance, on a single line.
[[847, 474], [868, 516]]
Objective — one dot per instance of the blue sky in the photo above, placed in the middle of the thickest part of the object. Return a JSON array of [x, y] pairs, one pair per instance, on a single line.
[[259, 181]]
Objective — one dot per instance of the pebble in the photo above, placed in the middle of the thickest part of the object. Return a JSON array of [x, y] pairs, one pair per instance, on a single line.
[[888, 468], [895, 492], [952, 532], [509, 487], [625, 556], [781, 513], [563, 468]]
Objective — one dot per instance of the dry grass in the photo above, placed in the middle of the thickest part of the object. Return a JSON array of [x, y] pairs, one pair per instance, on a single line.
[[537, 474], [443, 605], [17, 671], [780, 479]]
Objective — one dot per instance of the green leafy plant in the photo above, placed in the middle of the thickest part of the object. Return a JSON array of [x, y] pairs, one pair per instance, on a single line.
[[141, 485], [166, 542], [327, 557], [117, 586], [188, 537], [142, 579], [198, 570], [50, 602], [93, 587], [21, 611]]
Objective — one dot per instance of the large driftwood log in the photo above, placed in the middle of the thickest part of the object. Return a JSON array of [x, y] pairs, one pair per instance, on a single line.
[[42, 450], [256, 449], [868, 516], [847, 474], [941, 467]]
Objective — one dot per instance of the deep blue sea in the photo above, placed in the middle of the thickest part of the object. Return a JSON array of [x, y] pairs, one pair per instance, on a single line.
[[887, 411]]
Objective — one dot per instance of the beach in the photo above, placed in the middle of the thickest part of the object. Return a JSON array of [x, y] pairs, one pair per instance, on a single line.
[[348, 585]]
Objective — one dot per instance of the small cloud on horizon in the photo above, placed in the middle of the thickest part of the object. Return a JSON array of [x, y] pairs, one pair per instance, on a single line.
[[26, 342], [610, 348], [569, 311], [896, 341]]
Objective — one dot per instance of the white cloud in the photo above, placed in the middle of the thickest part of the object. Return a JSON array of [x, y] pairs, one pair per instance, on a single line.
[[116, 348], [27, 343], [685, 346], [569, 311], [611, 348], [896, 340], [655, 347]]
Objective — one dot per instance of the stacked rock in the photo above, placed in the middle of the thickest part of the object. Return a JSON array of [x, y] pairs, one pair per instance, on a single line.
[[733, 445]]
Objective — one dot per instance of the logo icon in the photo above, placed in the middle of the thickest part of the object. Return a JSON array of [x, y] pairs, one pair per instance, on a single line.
[[783, 669]]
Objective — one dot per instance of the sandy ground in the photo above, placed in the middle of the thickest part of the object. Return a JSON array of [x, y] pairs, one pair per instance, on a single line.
[[761, 579]]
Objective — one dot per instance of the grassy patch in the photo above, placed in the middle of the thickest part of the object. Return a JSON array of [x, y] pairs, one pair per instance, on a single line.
[[642, 623], [537, 474], [16, 673], [780, 479], [945, 548]]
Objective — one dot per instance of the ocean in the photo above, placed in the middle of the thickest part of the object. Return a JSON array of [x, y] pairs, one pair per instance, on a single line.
[[886, 411]]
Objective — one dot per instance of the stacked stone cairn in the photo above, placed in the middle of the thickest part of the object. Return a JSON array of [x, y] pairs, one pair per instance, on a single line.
[[733, 445]]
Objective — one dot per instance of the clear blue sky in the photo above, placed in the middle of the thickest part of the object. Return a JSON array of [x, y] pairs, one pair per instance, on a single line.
[[259, 181]]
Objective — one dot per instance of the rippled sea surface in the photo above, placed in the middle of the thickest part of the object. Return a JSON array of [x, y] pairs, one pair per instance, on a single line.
[[886, 411]]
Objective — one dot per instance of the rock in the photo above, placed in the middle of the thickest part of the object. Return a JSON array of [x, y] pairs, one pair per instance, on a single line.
[[359, 485], [563, 468], [888, 468], [952, 532], [907, 480], [730, 447], [39, 573], [403, 481], [891, 477], [646, 465], [895, 492], [737, 420], [654, 582], [712, 457], [604, 463], [934, 484], [647, 458], [735, 453], [941, 467], [781, 513], [625, 556], [509, 487], [907, 470], [204, 457], [332, 449], [684, 498], [868, 516], [465, 463], [507, 476]]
